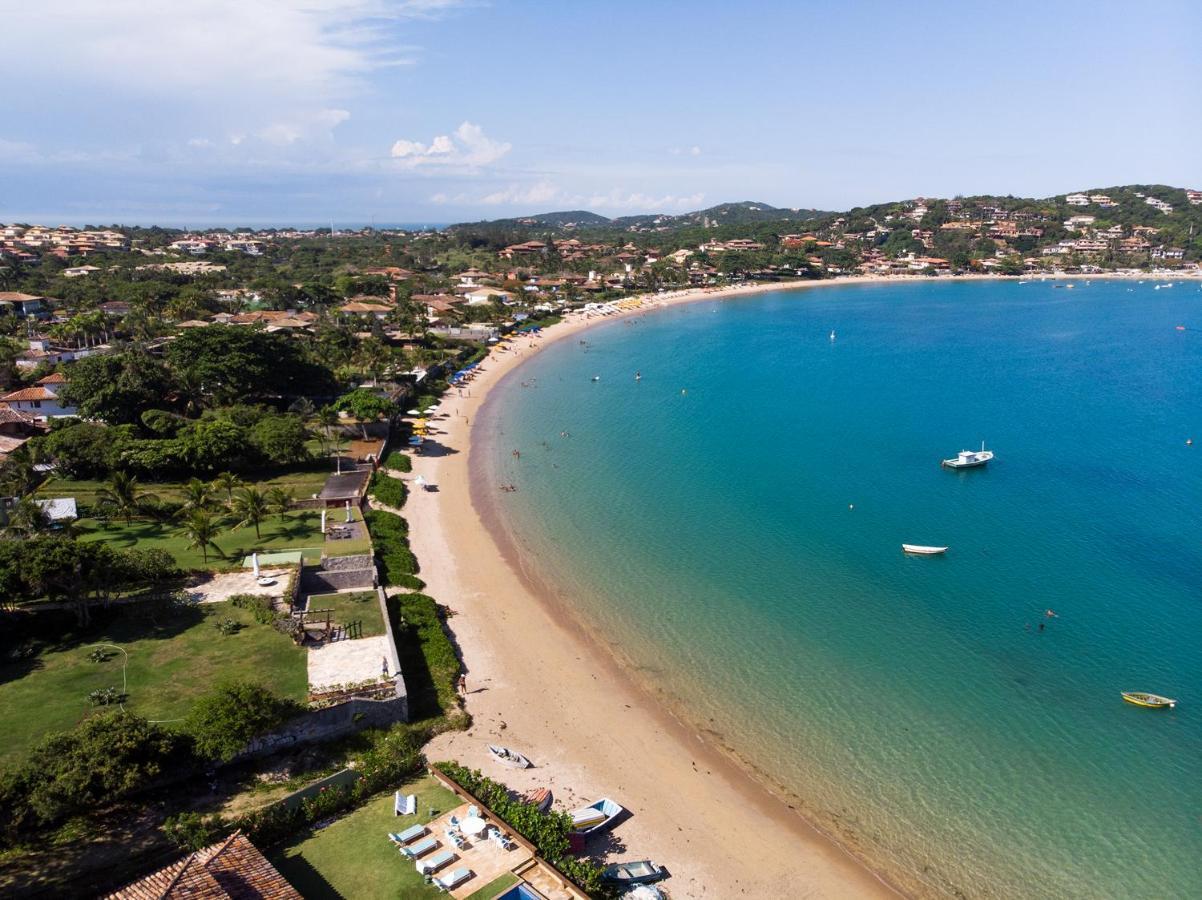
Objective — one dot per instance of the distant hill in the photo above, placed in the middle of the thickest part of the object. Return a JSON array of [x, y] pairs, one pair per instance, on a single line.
[[746, 212]]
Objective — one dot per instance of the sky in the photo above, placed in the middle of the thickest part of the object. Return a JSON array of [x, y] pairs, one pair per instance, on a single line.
[[274, 112]]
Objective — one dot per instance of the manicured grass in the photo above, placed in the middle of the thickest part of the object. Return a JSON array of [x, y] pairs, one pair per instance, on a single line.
[[296, 530], [358, 607], [354, 858], [169, 661], [301, 483], [493, 888]]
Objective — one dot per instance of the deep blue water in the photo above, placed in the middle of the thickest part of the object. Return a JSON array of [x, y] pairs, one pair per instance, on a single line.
[[702, 521]]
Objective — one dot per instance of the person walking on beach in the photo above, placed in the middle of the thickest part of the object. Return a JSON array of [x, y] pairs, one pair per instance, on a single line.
[[461, 687]]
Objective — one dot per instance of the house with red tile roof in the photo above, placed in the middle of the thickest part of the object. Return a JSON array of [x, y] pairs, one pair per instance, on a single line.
[[232, 869]]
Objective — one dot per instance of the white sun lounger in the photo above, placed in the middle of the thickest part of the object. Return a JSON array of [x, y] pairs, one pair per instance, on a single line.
[[435, 862], [456, 878], [413, 851], [408, 834]]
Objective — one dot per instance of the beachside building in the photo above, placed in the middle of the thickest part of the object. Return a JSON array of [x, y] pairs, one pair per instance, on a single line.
[[484, 295], [1194, 197], [1077, 200], [1168, 253], [17, 303], [1102, 200], [42, 401], [1078, 223], [1159, 204], [231, 869]]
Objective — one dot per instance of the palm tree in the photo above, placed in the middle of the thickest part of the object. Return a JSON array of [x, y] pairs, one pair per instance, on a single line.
[[251, 505], [197, 495], [201, 528], [26, 517], [227, 481], [122, 496], [279, 501], [303, 407]]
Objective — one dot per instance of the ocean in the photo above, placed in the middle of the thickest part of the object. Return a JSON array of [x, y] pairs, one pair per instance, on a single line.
[[731, 525]]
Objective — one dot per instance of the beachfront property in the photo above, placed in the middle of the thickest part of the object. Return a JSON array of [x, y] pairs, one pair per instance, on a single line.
[[1194, 197], [42, 401], [17, 303], [1077, 200]]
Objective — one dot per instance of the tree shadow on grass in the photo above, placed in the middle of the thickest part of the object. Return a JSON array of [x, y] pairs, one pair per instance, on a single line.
[[301, 875]]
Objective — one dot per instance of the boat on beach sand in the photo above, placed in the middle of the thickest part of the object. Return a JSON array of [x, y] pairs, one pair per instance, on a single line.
[[1152, 701], [922, 550], [642, 871], [596, 816], [507, 757], [539, 798]]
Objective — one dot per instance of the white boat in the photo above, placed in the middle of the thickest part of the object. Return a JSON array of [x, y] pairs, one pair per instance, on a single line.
[[832, 334], [596, 816], [969, 459], [923, 550], [510, 758]]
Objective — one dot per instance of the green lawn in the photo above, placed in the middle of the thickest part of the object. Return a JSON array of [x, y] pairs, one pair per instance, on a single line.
[[296, 530], [493, 888], [168, 664], [354, 858], [301, 483], [361, 607]]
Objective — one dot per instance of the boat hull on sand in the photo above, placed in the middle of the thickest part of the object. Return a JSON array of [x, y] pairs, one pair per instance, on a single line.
[[595, 817], [509, 758]]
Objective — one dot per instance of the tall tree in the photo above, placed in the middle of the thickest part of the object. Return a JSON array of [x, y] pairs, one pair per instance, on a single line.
[[122, 495], [201, 530], [227, 481], [251, 506]]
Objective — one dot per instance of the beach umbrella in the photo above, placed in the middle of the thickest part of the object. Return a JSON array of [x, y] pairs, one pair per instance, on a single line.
[[323, 521], [414, 412], [254, 561]]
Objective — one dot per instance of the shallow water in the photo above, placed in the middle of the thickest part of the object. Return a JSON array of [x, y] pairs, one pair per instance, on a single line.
[[732, 524]]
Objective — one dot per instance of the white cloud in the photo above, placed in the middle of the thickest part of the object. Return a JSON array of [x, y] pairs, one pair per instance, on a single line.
[[469, 148], [686, 151], [624, 200], [543, 195]]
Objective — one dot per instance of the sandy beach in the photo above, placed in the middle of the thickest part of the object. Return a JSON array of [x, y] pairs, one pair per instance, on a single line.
[[539, 683]]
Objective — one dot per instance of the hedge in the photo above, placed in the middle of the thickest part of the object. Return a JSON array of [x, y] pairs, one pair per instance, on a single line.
[[390, 535], [402, 462], [388, 490]]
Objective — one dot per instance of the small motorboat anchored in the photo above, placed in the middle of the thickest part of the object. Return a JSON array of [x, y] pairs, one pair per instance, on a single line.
[[644, 871], [969, 459], [1152, 701], [507, 757], [596, 816], [922, 550]]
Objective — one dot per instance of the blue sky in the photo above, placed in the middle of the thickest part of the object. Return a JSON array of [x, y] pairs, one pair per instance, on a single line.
[[277, 111]]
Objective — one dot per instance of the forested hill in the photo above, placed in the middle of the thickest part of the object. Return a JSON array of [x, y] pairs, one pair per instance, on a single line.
[[744, 213]]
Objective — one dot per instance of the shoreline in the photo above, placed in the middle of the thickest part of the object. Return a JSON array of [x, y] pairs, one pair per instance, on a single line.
[[591, 729], [723, 827]]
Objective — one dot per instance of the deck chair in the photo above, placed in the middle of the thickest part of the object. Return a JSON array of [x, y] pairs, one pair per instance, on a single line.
[[404, 806], [435, 862], [408, 834], [456, 878], [413, 851]]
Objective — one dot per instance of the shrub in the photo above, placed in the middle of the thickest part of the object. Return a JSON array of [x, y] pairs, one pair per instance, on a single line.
[[105, 758], [391, 538], [388, 490], [260, 608], [193, 830], [399, 461], [228, 626], [225, 720], [108, 696], [428, 657]]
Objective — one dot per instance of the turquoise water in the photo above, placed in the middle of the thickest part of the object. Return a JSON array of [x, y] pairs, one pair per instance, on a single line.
[[911, 704]]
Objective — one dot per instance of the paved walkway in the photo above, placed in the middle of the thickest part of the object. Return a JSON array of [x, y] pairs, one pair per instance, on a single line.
[[347, 662], [224, 585]]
